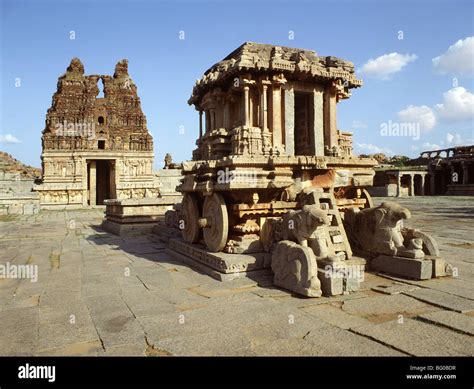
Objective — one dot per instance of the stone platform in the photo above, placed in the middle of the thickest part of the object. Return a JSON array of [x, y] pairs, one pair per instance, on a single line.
[[335, 280], [132, 298], [415, 269], [136, 216], [221, 266]]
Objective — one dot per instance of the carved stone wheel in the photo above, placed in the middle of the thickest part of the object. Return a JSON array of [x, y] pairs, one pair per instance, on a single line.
[[190, 216], [366, 195], [217, 225]]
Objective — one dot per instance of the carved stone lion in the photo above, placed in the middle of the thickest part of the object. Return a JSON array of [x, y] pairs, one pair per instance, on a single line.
[[378, 230]]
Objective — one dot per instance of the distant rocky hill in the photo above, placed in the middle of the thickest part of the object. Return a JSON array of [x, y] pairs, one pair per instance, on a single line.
[[9, 164]]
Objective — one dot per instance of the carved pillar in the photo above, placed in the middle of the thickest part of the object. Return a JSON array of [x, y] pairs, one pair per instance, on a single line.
[[423, 176], [318, 122], [226, 116], [264, 106], [432, 175], [290, 121], [112, 174], [84, 178], [92, 183], [200, 124], [444, 187], [278, 81], [465, 173], [330, 124], [208, 121], [412, 185], [399, 185], [246, 106], [212, 114]]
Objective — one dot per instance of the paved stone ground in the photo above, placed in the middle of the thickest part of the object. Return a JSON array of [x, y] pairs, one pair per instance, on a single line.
[[98, 294]]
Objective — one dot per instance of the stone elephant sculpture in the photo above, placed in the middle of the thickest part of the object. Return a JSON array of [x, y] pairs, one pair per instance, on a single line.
[[378, 230]]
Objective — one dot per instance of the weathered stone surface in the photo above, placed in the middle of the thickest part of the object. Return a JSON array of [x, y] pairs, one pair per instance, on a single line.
[[333, 315], [394, 288], [92, 348], [441, 299], [418, 338], [64, 327], [453, 320], [346, 343], [385, 307]]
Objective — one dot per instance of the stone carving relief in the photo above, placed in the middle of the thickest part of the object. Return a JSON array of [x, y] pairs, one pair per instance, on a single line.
[[305, 241], [296, 269]]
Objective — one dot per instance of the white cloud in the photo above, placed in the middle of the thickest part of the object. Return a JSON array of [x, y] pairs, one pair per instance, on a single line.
[[430, 146], [9, 139], [459, 59], [454, 139], [457, 105], [385, 65], [372, 149], [422, 115]]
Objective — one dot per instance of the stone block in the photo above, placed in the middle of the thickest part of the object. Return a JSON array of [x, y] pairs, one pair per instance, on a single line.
[[440, 268], [29, 209], [331, 284], [403, 267], [341, 276], [15, 209], [129, 229], [221, 266]]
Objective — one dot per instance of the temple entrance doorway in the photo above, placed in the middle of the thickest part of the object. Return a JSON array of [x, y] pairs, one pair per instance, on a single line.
[[303, 124], [100, 181]]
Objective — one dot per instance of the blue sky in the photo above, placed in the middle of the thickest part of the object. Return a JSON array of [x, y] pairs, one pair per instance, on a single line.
[[401, 84]]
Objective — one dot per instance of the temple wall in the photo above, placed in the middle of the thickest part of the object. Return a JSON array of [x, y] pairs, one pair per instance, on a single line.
[[16, 196]]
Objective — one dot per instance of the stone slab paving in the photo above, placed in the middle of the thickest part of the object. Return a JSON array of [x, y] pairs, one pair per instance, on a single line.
[[418, 338], [444, 300], [452, 320], [99, 294]]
